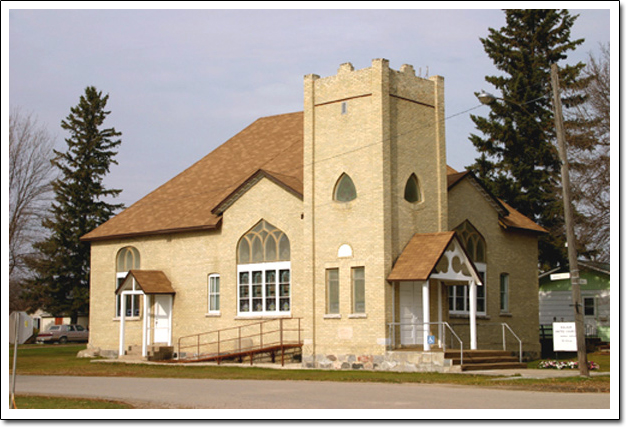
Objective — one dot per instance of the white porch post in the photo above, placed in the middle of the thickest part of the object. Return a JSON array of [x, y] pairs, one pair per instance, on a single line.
[[169, 320], [122, 322], [150, 301], [426, 312], [439, 315], [392, 329], [144, 334], [472, 316]]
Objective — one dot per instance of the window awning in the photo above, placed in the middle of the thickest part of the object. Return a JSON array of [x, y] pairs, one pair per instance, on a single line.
[[434, 255], [149, 281]]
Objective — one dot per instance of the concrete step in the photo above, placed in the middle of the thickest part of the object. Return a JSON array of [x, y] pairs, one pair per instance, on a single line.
[[484, 359], [492, 366]]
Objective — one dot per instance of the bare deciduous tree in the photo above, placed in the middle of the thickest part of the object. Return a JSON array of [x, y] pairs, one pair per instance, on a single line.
[[30, 176], [590, 153]]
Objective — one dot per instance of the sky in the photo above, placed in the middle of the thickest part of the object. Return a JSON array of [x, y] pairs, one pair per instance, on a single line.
[[183, 81]]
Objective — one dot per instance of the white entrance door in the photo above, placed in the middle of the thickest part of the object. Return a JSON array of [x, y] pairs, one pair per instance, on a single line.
[[411, 331], [162, 309]]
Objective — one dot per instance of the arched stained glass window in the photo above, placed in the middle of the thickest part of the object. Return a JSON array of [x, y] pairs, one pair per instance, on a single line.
[[264, 243], [345, 191], [476, 248], [473, 241], [264, 272], [412, 190]]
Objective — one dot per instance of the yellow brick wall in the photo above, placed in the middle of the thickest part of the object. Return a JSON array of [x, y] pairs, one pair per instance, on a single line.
[[515, 253], [393, 127], [188, 260], [389, 130]]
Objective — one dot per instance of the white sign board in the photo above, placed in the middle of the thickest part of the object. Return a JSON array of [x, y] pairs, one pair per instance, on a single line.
[[559, 276], [564, 336]]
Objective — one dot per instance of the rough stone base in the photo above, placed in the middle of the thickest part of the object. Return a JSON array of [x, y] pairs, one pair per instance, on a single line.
[[395, 361]]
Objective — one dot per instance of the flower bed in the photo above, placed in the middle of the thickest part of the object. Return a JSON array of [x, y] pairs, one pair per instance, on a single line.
[[569, 364]]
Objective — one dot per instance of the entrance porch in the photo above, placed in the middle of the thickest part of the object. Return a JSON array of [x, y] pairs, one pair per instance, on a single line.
[[155, 291]]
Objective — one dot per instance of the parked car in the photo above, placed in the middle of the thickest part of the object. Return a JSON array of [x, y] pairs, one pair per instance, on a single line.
[[63, 334]]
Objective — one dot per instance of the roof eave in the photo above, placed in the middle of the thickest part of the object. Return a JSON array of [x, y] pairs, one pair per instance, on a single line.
[[206, 227]]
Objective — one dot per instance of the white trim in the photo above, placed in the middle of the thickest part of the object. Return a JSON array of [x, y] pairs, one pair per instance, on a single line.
[[264, 267], [218, 293]]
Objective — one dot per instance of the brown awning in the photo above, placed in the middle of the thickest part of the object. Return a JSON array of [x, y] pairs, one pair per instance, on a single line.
[[420, 256], [150, 282]]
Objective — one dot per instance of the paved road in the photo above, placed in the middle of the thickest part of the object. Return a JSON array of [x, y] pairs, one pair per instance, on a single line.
[[234, 394]]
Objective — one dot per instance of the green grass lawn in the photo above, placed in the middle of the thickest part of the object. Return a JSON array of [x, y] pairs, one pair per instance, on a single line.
[[61, 360], [46, 402]]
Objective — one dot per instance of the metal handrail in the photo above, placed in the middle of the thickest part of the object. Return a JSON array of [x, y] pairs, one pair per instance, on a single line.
[[220, 341], [392, 326], [504, 325]]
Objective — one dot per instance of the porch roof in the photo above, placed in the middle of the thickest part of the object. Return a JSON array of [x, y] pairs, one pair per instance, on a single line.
[[434, 255], [150, 282], [420, 256]]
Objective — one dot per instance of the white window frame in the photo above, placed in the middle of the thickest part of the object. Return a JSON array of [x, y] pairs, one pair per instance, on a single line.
[[481, 267], [134, 306], [505, 292], [264, 267], [212, 292]]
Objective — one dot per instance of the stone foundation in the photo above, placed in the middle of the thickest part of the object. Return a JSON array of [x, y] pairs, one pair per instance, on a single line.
[[395, 361]]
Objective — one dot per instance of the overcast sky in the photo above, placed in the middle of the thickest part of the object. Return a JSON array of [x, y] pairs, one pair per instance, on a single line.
[[182, 82]]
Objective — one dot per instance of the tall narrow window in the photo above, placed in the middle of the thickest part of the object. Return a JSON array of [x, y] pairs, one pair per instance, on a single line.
[[504, 293], [332, 291], [358, 290], [214, 294], [345, 191], [127, 259], [412, 190]]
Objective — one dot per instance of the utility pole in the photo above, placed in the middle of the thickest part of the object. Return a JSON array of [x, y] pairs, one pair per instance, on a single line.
[[569, 226]]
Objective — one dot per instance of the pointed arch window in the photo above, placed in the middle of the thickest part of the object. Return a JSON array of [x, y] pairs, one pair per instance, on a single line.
[[412, 192], [345, 191], [476, 248], [264, 272]]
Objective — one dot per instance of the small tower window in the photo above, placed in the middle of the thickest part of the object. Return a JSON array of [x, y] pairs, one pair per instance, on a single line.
[[344, 107], [345, 191], [412, 190]]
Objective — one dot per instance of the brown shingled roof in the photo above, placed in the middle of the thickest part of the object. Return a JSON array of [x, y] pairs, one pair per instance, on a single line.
[[509, 217], [150, 282], [420, 256], [194, 199], [184, 203]]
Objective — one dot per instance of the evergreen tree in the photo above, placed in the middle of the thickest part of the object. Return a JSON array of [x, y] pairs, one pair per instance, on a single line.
[[61, 265], [519, 161]]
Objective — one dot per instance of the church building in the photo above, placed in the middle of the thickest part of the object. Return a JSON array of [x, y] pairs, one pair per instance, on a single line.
[[340, 228]]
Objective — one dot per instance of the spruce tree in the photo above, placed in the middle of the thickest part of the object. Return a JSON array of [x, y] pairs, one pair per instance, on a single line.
[[518, 160], [61, 282]]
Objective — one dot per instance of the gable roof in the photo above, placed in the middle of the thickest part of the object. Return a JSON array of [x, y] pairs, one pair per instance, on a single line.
[[420, 256], [150, 282], [271, 147], [509, 218], [433, 255], [186, 202]]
